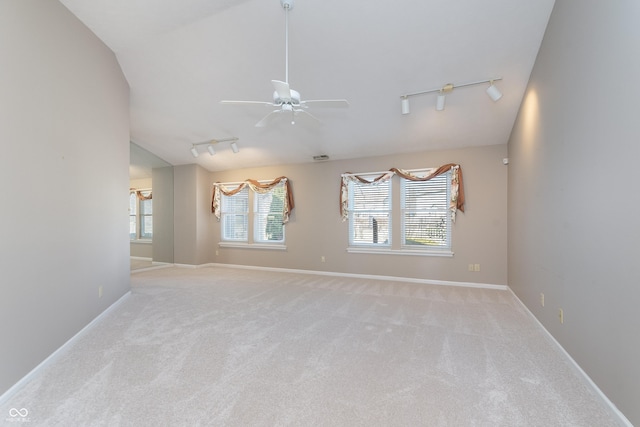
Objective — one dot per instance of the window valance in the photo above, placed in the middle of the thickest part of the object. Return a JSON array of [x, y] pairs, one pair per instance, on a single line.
[[139, 194], [258, 187], [457, 189]]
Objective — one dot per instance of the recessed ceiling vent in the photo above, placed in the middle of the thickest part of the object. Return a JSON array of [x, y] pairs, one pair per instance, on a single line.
[[321, 158]]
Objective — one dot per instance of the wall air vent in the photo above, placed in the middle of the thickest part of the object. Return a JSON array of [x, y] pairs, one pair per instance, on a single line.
[[321, 157]]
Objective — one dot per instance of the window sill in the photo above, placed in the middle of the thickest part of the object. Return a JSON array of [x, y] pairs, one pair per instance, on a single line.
[[275, 246], [388, 251], [142, 241]]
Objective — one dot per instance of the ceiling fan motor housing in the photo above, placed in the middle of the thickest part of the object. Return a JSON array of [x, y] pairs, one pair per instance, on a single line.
[[294, 100]]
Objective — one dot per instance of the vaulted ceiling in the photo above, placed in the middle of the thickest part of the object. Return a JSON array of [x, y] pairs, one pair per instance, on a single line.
[[182, 57]]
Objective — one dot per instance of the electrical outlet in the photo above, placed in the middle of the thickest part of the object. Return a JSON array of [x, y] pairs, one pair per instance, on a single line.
[[541, 299], [217, 252], [561, 316], [322, 259], [476, 267], [470, 267], [99, 291]]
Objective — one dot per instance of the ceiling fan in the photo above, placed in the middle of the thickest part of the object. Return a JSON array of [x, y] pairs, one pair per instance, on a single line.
[[285, 99]]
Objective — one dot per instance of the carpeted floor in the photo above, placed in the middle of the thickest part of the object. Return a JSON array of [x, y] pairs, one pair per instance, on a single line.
[[230, 347]]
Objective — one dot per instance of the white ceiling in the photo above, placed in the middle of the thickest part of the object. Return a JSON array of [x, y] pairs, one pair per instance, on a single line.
[[182, 57]]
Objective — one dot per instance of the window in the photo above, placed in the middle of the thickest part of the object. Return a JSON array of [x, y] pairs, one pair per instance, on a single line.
[[253, 214], [268, 216], [140, 215], [425, 212], [380, 205], [235, 216], [369, 214]]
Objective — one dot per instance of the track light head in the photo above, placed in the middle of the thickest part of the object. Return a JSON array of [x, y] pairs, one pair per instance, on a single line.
[[211, 150], [194, 151], [493, 92], [234, 147], [440, 102], [405, 105]]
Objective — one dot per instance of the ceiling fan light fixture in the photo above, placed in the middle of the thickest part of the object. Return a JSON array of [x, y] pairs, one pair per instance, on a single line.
[[286, 99]]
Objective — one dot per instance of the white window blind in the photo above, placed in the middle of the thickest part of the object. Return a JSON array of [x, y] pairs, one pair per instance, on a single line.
[[268, 216], [140, 216], [133, 215], [426, 220], [370, 214], [235, 216], [146, 217]]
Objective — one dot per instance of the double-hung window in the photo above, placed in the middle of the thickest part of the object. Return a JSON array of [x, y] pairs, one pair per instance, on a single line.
[[398, 203], [140, 215], [268, 226], [370, 213], [254, 214], [426, 220], [235, 216]]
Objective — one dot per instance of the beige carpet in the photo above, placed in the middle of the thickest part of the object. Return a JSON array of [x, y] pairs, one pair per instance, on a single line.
[[230, 347]]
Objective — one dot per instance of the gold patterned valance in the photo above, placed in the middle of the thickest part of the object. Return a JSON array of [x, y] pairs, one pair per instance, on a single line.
[[457, 189], [141, 196], [258, 187]]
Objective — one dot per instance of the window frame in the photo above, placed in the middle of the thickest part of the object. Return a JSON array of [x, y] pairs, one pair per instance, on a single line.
[[138, 217], [251, 242], [354, 214], [396, 220], [443, 212], [258, 201], [226, 214]]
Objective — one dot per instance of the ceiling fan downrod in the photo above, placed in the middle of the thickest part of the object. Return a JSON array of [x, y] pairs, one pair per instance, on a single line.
[[287, 5]]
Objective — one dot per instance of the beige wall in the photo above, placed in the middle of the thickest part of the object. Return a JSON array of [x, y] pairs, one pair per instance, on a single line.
[[316, 229], [185, 210], [163, 214], [573, 201], [64, 132]]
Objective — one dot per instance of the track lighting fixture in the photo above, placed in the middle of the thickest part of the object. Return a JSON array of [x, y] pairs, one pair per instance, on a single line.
[[210, 146], [493, 92]]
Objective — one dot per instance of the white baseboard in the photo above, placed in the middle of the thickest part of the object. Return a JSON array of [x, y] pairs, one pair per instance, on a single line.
[[17, 386], [141, 258], [614, 409], [360, 276]]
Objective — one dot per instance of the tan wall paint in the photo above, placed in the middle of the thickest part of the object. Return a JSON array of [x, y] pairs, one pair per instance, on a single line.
[[64, 131], [316, 229], [573, 202]]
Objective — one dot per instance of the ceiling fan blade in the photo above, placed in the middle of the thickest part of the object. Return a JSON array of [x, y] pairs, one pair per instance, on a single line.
[[332, 103], [270, 104], [268, 118], [282, 89], [306, 114]]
